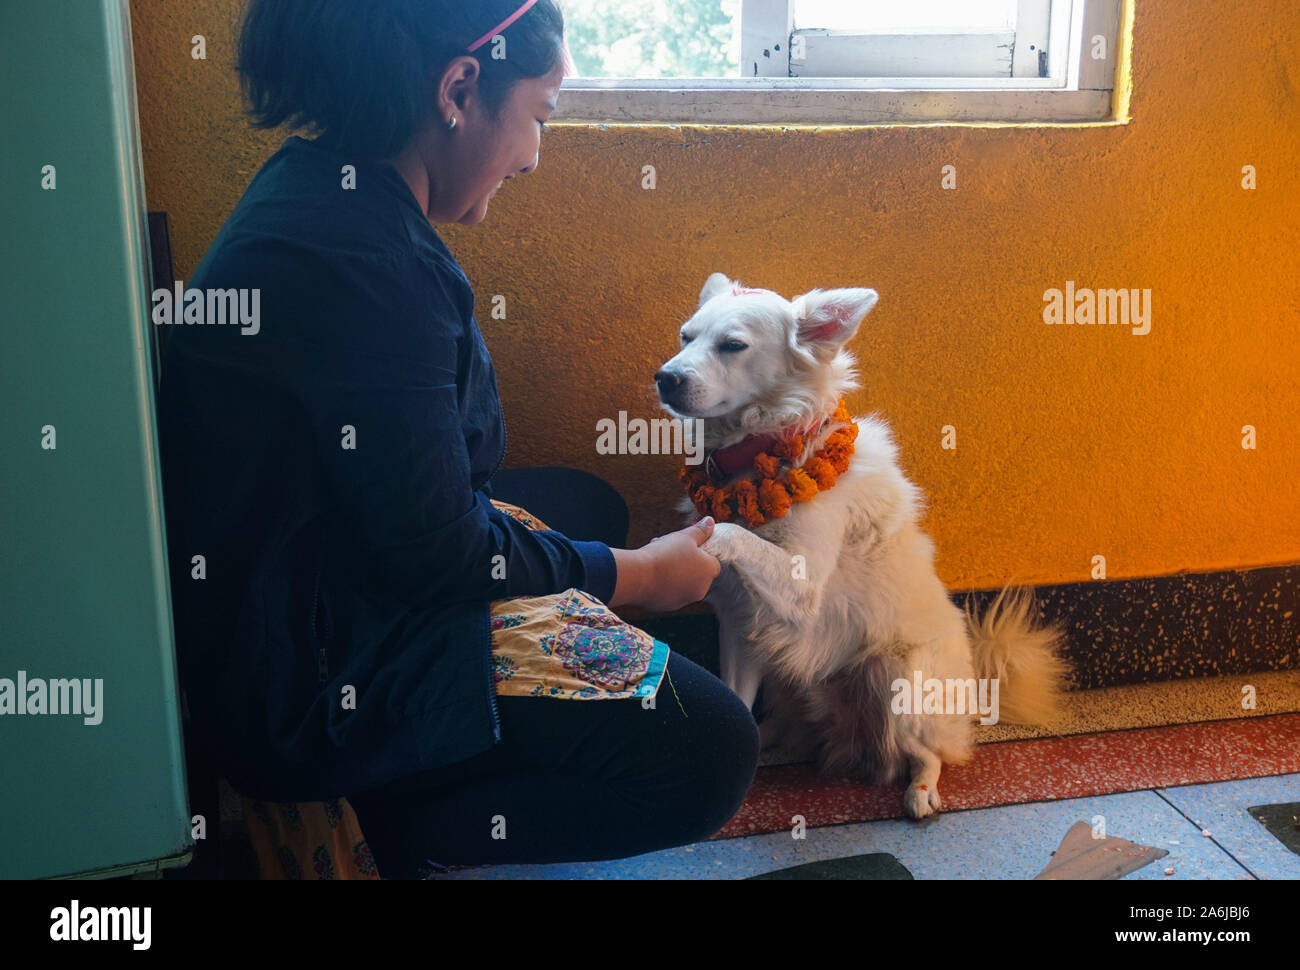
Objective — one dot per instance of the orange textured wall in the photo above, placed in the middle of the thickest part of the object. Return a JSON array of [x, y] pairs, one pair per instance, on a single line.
[[1072, 441]]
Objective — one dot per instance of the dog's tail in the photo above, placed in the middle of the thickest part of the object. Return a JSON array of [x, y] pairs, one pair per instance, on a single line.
[[1025, 658]]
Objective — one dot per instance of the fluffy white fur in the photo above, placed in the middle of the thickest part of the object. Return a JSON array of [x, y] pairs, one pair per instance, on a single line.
[[871, 610]]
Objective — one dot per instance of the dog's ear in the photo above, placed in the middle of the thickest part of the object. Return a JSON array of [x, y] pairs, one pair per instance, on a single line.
[[715, 284], [828, 319]]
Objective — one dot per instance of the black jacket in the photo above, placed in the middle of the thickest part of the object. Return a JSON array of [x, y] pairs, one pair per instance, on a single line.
[[331, 571]]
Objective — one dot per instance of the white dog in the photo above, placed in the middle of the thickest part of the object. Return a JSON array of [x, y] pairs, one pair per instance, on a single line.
[[835, 605]]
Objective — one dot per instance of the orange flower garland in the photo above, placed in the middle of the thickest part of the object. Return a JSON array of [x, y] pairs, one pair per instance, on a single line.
[[771, 495]]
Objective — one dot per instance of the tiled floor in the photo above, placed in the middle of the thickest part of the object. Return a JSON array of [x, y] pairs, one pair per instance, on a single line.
[[1004, 842]]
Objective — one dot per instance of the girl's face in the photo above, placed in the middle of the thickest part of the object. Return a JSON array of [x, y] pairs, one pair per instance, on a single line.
[[481, 152]]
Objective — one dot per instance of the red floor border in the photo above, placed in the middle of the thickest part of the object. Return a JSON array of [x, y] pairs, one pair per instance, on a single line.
[[1042, 769]]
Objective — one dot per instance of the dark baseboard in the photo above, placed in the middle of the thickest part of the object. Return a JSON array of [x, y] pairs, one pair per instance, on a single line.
[[1125, 631]]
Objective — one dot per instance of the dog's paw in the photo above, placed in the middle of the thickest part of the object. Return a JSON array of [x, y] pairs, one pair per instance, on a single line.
[[724, 542], [921, 801]]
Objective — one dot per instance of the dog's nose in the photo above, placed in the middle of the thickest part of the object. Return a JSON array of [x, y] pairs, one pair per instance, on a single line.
[[668, 381]]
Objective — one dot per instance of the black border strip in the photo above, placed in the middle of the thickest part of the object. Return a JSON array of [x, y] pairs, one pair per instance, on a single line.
[[1126, 631]]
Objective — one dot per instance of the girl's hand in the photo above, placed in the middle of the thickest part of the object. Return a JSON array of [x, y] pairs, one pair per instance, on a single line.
[[669, 572]]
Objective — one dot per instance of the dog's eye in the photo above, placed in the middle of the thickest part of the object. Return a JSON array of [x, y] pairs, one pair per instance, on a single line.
[[685, 339], [732, 347]]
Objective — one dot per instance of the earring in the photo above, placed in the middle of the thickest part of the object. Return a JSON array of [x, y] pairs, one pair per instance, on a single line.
[[451, 124]]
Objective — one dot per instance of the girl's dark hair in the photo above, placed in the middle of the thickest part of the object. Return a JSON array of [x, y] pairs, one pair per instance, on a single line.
[[361, 73]]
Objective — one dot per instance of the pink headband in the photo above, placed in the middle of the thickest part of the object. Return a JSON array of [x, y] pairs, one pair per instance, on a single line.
[[501, 26]]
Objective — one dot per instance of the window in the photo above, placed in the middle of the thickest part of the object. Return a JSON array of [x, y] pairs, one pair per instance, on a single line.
[[840, 61], [928, 38]]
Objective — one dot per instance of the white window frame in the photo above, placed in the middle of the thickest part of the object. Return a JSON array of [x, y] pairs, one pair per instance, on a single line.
[[1078, 88]]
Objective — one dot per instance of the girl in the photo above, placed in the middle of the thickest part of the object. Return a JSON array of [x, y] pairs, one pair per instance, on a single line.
[[355, 615]]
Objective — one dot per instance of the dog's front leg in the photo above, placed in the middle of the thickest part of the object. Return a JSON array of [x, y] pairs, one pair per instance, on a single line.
[[786, 585], [740, 669], [922, 795]]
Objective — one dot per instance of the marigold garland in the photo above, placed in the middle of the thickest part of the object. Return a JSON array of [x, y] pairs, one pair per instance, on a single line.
[[769, 494]]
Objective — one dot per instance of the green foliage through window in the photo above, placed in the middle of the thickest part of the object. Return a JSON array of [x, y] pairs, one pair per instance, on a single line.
[[654, 38]]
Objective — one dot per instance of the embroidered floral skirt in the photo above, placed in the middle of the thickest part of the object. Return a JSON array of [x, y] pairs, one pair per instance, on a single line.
[[569, 645]]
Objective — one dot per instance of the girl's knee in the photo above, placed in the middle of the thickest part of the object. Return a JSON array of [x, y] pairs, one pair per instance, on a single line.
[[717, 765]]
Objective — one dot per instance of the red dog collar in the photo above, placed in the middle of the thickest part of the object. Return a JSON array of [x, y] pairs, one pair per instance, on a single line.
[[722, 463]]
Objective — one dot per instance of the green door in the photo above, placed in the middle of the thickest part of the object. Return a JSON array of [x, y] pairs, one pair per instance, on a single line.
[[85, 612]]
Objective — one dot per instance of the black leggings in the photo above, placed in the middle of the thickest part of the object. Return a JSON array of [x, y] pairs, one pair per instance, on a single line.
[[574, 781]]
